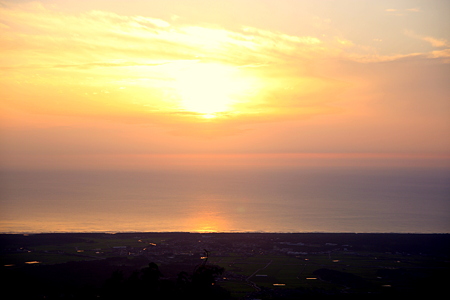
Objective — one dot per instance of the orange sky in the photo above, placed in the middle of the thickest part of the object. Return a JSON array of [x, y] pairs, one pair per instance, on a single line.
[[139, 84]]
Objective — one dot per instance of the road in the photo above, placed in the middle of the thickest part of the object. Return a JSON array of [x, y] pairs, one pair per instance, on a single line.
[[257, 288]]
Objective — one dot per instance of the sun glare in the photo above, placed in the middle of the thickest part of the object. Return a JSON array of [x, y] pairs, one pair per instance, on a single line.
[[210, 89]]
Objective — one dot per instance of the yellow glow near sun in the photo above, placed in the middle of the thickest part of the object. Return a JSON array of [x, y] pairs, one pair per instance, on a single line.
[[209, 89]]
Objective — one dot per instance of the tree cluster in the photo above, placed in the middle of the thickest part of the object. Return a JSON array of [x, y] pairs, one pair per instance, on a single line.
[[148, 283]]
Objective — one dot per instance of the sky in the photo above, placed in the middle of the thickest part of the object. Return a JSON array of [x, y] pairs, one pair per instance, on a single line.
[[109, 84]]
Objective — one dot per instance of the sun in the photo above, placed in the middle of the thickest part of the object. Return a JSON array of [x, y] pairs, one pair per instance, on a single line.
[[210, 90]]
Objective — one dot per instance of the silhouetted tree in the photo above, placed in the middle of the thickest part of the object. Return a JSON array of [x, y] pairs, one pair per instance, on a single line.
[[150, 280], [183, 282], [205, 275], [114, 286], [204, 279], [151, 274], [147, 284]]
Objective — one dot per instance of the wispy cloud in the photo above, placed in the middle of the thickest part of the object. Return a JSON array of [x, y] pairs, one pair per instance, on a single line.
[[443, 54], [438, 43], [96, 34], [146, 52], [401, 12], [143, 53]]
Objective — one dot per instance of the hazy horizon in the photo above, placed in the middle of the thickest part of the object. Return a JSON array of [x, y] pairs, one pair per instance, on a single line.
[[271, 200]]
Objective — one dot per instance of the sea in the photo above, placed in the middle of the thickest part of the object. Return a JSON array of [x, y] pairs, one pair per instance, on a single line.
[[380, 200]]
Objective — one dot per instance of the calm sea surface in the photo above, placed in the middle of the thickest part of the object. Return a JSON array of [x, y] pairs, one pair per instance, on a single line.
[[333, 200]]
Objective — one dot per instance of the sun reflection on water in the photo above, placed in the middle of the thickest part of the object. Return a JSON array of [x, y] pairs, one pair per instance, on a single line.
[[208, 220], [210, 224]]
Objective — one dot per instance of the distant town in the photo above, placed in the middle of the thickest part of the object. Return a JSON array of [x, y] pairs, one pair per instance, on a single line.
[[239, 265]]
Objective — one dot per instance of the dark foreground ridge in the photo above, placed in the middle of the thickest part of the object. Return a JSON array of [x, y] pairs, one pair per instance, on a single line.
[[223, 265]]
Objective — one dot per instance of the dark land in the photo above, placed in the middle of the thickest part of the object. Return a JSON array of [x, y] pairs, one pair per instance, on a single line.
[[224, 265]]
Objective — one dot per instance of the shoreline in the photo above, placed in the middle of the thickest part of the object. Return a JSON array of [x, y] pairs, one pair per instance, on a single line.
[[221, 232]]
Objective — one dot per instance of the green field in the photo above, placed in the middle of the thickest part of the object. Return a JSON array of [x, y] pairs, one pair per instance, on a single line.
[[321, 267]]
